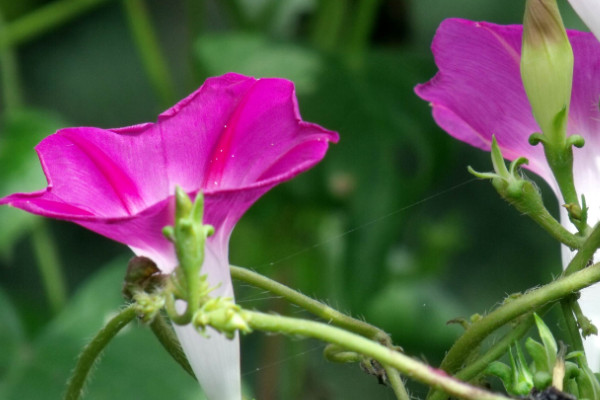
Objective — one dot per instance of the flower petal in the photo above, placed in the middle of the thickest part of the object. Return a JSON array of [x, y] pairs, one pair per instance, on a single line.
[[589, 12], [478, 92]]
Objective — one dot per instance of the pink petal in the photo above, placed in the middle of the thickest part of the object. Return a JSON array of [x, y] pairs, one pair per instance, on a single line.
[[233, 139]]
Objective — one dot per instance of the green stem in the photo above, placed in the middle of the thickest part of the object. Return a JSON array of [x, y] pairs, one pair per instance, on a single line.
[[165, 335], [90, 353], [49, 267], [395, 381], [339, 354], [9, 69], [566, 306], [43, 19], [311, 305], [152, 57], [586, 252], [555, 228], [527, 302], [353, 342], [495, 352]]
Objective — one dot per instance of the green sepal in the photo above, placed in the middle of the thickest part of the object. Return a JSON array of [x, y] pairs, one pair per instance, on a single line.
[[576, 141], [524, 378], [571, 370], [541, 380], [189, 235], [550, 346], [222, 314], [538, 353], [589, 387], [502, 371]]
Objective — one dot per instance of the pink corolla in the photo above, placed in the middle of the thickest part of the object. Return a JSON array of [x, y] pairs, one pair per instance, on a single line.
[[233, 139], [478, 93]]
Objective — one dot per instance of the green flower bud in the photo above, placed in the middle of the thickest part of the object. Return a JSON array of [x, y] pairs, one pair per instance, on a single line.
[[547, 67]]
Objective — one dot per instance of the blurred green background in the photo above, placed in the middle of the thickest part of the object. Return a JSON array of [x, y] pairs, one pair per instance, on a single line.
[[389, 227]]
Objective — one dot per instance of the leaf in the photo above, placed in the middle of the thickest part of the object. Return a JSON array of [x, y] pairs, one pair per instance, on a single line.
[[134, 366]]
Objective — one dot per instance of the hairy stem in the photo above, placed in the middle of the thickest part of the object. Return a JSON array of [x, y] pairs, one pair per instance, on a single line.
[[586, 252], [90, 353], [311, 305], [384, 355], [527, 302], [395, 381]]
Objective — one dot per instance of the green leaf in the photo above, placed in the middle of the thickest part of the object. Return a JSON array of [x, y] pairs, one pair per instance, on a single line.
[[134, 366]]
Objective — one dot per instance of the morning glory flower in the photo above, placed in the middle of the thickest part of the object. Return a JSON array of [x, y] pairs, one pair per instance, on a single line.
[[478, 93], [233, 139]]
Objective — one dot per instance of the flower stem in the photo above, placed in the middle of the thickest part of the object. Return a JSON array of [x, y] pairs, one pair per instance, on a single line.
[[152, 57], [566, 306], [49, 267], [353, 342], [496, 351], [166, 337], [555, 228], [311, 305], [43, 19], [586, 253], [527, 302], [90, 353], [395, 381]]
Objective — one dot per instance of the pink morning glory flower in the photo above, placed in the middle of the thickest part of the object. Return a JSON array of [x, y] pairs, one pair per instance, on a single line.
[[233, 139], [478, 93]]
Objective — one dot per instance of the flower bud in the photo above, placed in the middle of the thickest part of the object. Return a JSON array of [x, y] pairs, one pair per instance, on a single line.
[[547, 67]]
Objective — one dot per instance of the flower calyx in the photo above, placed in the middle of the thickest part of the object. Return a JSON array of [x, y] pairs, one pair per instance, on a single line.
[[517, 378], [510, 184], [189, 235], [222, 314]]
